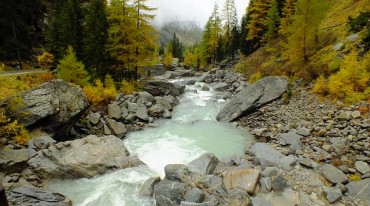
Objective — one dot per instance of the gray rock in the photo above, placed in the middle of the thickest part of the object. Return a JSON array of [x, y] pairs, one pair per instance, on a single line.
[[266, 155], [344, 116], [124, 112], [15, 160], [143, 98], [221, 86], [190, 81], [360, 189], [132, 107], [147, 188], [171, 100], [333, 174], [194, 195], [167, 114], [164, 201], [293, 139], [162, 87], [205, 88], [338, 46], [114, 111], [278, 183], [94, 118], [181, 72], [175, 172], [80, 158], [352, 38], [259, 201], [333, 194], [205, 164], [356, 114], [259, 132], [269, 172], [246, 179], [117, 128], [252, 97], [362, 167], [304, 132], [204, 77], [40, 143], [156, 110], [106, 130], [27, 195], [142, 113], [57, 101], [208, 203], [173, 191]]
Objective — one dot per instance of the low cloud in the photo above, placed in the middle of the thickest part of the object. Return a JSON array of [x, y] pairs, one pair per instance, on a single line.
[[190, 10]]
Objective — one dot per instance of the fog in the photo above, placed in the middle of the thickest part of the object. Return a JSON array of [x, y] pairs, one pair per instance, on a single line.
[[190, 10]]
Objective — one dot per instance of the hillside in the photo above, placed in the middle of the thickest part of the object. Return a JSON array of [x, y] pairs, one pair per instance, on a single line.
[[189, 33]]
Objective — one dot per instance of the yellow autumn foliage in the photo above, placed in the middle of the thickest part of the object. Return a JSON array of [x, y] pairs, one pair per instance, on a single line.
[[321, 86], [99, 94], [12, 129]]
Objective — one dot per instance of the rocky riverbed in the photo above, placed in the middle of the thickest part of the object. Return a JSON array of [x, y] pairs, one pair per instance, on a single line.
[[308, 151]]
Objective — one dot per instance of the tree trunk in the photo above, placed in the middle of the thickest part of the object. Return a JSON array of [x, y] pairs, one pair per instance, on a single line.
[[16, 44]]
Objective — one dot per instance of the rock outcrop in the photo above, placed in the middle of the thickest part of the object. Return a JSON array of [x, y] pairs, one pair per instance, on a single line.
[[85, 157], [163, 87], [27, 195], [55, 105], [252, 97]]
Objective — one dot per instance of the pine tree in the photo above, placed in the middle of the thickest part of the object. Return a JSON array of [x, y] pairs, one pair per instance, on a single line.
[[272, 22], [177, 48], [96, 36], [257, 11], [286, 16], [303, 36], [206, 50], [229, 17], [245, 46], [215, 33], [234, 42]]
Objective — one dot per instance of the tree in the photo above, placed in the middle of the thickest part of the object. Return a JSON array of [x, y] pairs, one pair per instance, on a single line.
[[286, 14], [303, 36], [96, 37], [66, 28], [245, 45], [230, 21], [72, 70], [257, 11], [272, 22], [215, 33], [177, 48]]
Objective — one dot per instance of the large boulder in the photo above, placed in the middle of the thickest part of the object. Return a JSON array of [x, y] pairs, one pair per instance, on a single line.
[[252, 97], [360, 190], [205, 164], [15, 160], [55, 105], [333, 174], [163, 87], [27, 195], [80, 158], [246, 179]]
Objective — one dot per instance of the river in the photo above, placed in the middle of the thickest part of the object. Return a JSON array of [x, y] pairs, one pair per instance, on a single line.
[[192, 131]]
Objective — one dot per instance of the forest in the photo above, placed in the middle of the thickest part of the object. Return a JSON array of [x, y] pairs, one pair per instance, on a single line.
[[90, 39]]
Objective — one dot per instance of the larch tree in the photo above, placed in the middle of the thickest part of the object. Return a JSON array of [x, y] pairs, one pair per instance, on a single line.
[[145, 35], [286, 16], [206, 50], [257, 11], [215, 33], [304, 31], [96, 37], [230, 21]]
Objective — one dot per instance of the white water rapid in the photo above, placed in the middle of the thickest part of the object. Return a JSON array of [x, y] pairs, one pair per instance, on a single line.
[[192, 131]]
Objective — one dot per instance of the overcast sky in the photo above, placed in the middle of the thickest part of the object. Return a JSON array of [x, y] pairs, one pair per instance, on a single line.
[[190, 10]]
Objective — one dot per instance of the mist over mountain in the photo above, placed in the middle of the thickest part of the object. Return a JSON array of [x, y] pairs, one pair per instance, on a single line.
[[188, 32]]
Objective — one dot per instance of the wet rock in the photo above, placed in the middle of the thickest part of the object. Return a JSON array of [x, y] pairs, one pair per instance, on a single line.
[[162, 87], [205, 164], [80, 158], [54, 106], [175, 172], [246, 179], [194, 195], [362, 167], [332, 194], [94, 118], [117, 128], [205, 88], [147, 188], [222, 86], [15, 160], [40, 143], [114, 111], [360, 189], [27, 195], [252, 97], [333, 174], [173, 192]]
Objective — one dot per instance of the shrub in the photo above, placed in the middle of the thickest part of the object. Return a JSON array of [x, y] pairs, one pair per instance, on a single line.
[[72, 70], [167, 60], [357, 24], [321, 86], [46, 60], [98, 94], [129, 87], [12, 129], [352, 80], [255, 77]]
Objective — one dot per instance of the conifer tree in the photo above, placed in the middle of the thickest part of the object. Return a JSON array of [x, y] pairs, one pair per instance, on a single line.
[[245, 46], [257, 11], [96, 36], [303, 36], [229, 17], [286, 16], [272, 22], [215, 33], [177, 48]]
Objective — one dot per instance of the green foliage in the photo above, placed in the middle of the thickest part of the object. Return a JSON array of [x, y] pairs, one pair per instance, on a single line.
[[360, 22], [72, 70], [272, 22], [255, 77], [287, 13], [257, 10], [352, 80], [46, 60], [177, 48], [129, 87], [191, 58]]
